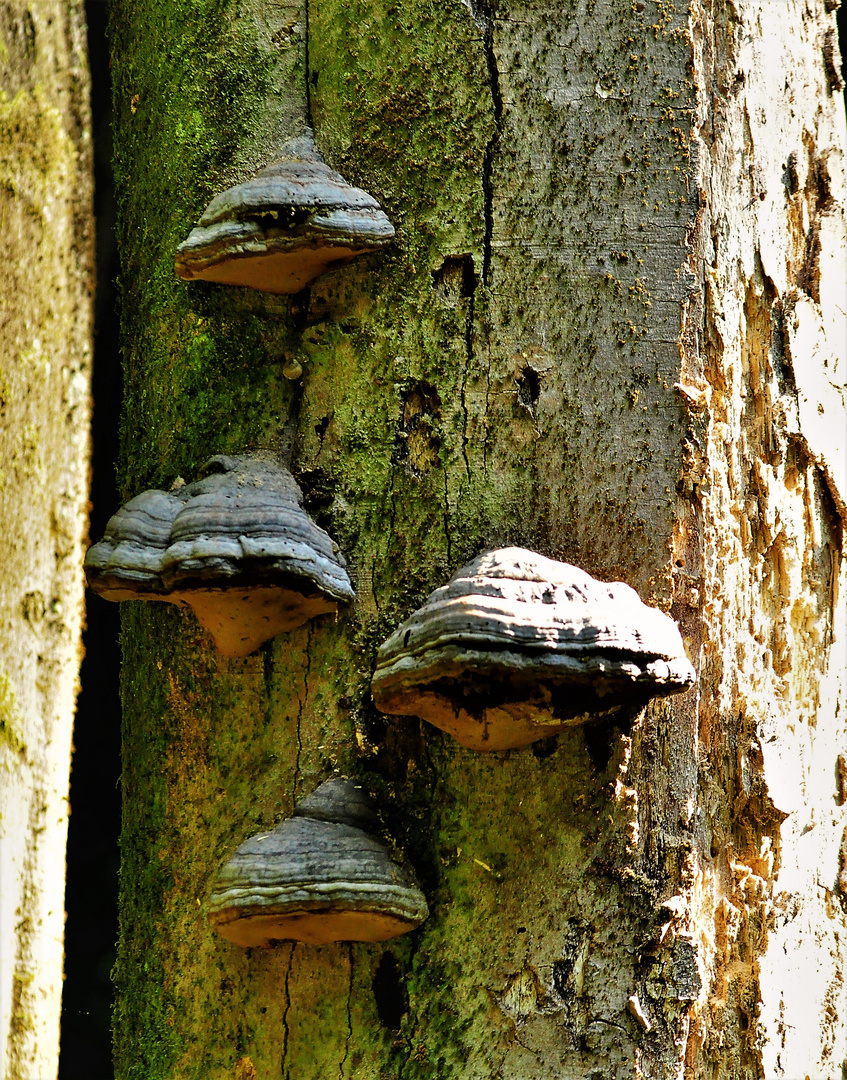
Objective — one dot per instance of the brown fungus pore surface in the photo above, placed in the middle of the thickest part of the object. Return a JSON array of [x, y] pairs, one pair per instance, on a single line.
[[517, 646], [294, 220], [320, 876], [236, 546]]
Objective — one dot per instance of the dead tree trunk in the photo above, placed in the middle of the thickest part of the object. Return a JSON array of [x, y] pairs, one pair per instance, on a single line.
[[610, 330]]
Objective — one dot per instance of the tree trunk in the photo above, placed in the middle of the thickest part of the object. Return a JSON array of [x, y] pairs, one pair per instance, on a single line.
[[45, 341], [609, 330]]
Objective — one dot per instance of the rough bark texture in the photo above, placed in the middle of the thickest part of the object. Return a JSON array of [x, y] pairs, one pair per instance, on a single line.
[[45, 341], [771, 359], [582, 342]]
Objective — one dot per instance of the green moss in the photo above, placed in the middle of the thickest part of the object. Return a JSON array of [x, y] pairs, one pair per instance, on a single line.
[[34, 147], [215, 749], [11, 731]]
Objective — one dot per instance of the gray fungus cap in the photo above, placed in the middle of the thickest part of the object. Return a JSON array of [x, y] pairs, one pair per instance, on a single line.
[[517, 646], [291, 222], [236, 546], [319, 876]]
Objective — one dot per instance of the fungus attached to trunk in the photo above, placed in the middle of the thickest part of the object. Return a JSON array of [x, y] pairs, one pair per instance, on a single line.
[[517, 646], [236, 546], [291, 222], [319, 876], [127, 563]]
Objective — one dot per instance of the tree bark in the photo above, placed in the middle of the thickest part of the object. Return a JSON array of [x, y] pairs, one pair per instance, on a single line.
[[45, 340], [610, 330]]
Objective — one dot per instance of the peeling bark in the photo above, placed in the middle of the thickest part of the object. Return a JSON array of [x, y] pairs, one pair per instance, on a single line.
[[772, 367]]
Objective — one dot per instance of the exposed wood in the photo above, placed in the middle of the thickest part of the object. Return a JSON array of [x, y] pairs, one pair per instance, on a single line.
[[771, 362]]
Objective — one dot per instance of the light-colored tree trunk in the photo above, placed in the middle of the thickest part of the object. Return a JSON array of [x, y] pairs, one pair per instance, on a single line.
[[46, 229], [611, 330]]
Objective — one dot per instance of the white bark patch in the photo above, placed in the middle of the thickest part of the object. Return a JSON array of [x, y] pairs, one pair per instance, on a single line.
[[773, 243], [819, 363]]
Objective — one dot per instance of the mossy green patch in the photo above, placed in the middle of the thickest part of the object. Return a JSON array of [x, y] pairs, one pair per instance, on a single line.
[[11, 730], [34, 147], [464, 389]]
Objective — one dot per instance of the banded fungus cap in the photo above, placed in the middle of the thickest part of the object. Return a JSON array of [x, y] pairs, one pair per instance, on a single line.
[[517, 646], [126, 564], [294, 220], [319, 876], [240, 551]]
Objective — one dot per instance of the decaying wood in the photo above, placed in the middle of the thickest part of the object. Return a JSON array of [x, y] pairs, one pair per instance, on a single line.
[[610, 330], [770, 243]]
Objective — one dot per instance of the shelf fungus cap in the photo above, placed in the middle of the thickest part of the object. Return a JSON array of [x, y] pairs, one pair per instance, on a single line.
[[278, 231], [235, 545], [127, 563], [319, 876], [517, 646]]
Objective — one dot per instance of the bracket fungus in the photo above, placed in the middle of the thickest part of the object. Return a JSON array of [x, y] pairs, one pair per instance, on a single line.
[[319, 876], [291, 222], [517, 646], [236, 546]]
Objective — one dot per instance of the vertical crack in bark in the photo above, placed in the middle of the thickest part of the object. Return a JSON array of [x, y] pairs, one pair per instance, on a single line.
[[284, 1071], [292, 420], [390, 532], [306, 73], [268, 682], [447, 521], [488, 157], [410, 1038], [373, 571], [410, 1045], [343, 1061], [469, 318], [524, 1046], [481, 15], [835, 566], [301, 706], [393, 516], [487, 400]]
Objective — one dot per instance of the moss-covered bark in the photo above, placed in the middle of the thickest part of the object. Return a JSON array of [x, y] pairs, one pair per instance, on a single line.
[[508, 372]]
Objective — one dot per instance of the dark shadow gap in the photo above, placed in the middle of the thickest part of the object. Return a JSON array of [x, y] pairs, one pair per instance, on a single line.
[[92, 877]]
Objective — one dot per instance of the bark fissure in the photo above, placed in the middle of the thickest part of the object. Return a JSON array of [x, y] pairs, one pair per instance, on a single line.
[[446, 519], [349, 999], [487, 434], [481, 15], [285, 1030], [467, 367], [307, 76], [307, 653]]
